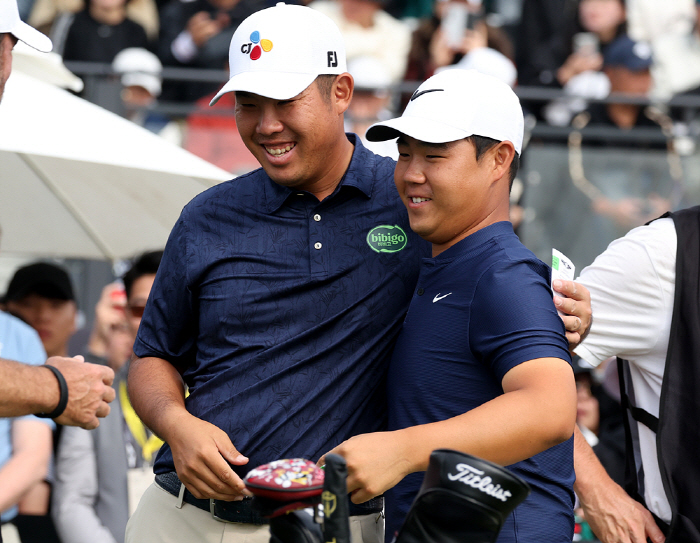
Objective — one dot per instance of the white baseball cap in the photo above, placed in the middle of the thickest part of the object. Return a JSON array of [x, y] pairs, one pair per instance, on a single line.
[[139, 67], [279, 51], [454, 105], [11, 23]]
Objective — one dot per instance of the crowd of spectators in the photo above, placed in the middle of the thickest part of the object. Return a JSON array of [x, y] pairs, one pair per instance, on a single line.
[[588, 48]]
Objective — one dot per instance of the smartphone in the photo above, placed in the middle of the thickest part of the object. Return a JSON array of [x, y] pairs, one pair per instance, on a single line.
[[454, 21], [586, 43]]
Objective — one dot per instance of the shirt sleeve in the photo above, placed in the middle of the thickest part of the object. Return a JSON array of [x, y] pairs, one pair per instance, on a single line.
[[169, 326], [513, 304], [631, 284]]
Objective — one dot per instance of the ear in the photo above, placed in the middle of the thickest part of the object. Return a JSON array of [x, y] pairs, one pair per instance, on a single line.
[[503, 155], [342, 91]]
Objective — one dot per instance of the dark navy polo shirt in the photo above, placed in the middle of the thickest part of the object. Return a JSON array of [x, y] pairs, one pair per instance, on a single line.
[[281, 311], [480, 308]]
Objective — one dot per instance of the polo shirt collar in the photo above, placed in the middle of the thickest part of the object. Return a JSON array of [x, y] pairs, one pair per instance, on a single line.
[[474, 240], [359, 175]]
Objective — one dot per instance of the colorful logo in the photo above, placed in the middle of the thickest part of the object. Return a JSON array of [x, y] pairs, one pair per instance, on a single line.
[[387, 239], [256, 46]]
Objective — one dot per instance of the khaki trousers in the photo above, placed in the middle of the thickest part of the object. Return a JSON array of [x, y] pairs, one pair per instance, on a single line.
[[157, 519]]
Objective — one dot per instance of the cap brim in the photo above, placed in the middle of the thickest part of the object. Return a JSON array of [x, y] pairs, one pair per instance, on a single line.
[[275, 85], [421, 129], [32, 37]]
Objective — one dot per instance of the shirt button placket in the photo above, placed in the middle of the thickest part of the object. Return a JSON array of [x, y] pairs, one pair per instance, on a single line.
[[318, 257]]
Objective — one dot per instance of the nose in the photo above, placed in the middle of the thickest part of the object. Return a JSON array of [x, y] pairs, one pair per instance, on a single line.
[[268, 122], [413, 173]]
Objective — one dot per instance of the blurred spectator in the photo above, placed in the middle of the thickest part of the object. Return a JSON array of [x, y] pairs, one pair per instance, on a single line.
[[41, 294], [368, 30], [45, 13], [140, 72], [602, 22], [109, 312], [604, 60], [371, 102], [456, 30], [99, 472], [197, 34], [543, 39], [671, 27], [97, 33]]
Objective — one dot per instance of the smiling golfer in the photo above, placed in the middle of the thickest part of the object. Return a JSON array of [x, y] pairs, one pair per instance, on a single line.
[[481, 364]]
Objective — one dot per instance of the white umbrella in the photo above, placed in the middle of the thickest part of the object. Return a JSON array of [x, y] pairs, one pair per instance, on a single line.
[[77, 181]]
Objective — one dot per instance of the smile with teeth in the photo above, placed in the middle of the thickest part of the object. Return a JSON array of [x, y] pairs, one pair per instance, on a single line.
[[281, 150], [417, 200]]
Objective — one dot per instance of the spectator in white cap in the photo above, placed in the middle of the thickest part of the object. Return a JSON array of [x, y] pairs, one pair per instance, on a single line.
[[140, 75], [496, 383], [12, 28], [279, 295]]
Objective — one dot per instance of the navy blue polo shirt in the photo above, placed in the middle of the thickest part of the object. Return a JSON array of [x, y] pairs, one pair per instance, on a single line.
[[281, 311], [480, 308]]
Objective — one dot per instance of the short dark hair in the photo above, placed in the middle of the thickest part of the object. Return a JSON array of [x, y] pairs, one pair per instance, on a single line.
[[145, 264], [483, 144], [324, 82]]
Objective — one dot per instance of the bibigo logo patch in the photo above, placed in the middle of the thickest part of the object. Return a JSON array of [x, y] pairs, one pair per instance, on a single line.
[[256, 46], [387, 239]]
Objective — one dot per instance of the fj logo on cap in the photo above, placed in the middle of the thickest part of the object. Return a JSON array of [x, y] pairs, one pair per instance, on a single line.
[[256, 46], [332, 59]]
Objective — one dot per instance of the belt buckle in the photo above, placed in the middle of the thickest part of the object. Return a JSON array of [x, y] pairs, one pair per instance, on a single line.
[[212, 510]]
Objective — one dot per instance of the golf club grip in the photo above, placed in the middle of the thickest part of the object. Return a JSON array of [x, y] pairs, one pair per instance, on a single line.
[[336, 510]]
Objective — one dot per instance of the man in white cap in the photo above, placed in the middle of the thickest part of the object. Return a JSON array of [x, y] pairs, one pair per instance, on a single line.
[[279, 296], [482, 363], [12, 28], [83, 390]]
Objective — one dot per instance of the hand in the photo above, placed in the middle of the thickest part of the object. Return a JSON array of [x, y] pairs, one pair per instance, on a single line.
[[616, 518], [376, 463], [202, 27], [577, 63], [475, 39], [577, 306], [201, 453], [89, 391]]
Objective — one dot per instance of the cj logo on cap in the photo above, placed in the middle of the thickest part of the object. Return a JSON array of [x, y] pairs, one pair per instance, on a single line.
[[256, 46]]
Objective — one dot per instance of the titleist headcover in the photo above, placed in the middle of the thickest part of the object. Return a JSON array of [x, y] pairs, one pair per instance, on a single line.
[[462, 498]]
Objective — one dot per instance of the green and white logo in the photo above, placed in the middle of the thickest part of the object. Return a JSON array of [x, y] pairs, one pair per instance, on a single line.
[[387, 239]]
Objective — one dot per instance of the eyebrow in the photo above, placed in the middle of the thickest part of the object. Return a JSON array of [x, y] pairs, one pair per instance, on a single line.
[[436, 146]]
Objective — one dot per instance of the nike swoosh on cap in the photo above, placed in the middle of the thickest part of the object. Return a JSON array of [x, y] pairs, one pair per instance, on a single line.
[[421, 93]]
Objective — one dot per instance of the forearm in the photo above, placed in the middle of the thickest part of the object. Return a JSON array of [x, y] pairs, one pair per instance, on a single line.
[[506, 430], [26, 389], [29, 462], [157, 394]]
